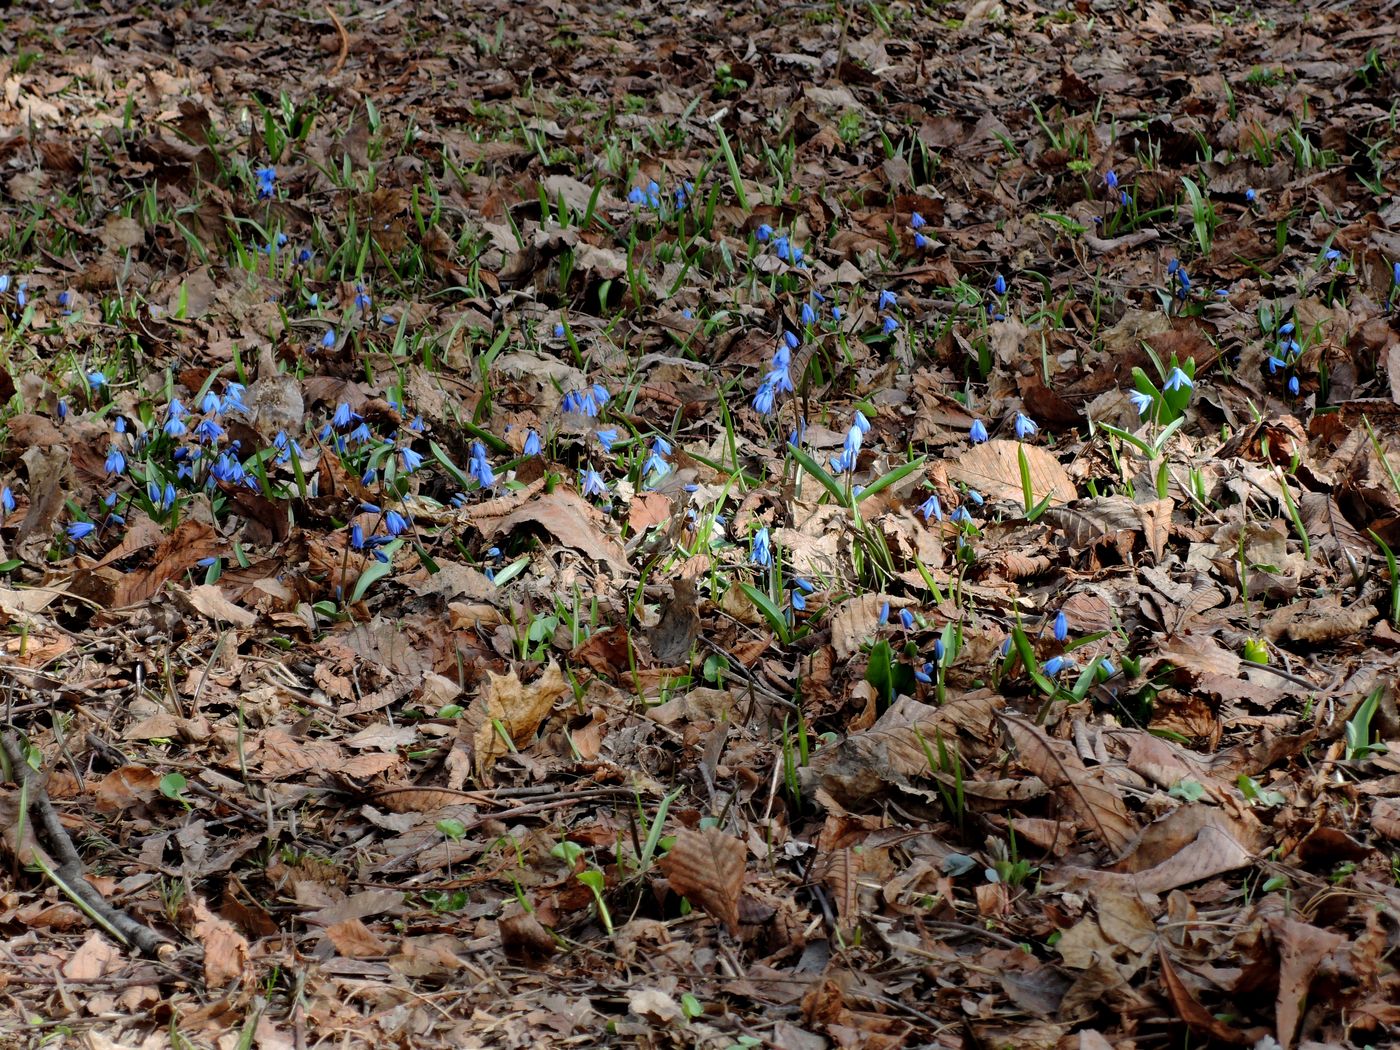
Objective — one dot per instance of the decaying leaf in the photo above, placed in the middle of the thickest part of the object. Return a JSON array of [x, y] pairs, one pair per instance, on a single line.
[[707, 868]]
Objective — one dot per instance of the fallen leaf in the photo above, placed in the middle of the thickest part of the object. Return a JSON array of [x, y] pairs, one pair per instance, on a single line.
[[994, 469], [707, 869]]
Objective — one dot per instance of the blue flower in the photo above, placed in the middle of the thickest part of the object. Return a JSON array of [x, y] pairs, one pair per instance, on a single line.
[[887, 299], [395, 523], [208, 431], [884, 612], [661, 446], [978, 433], [907, 619], [920, 241], [80, 530], [809, 316], [1108, 669], [267, 178], [1185, 282], [606, 438], [635, 196], [1025, 426], [233, 398], [999, 285], [1250, 196], [890, 326], [1142, 402], [593, 484], [805, 586], [116, 462], [761, 553], [917, 221], [7, 500], [1397, 273], [96, 380], [362, 298], [961, 516], [480, 466], [532, 444], [1111, 179], [790, 338], [558, 331], [209, 404], [764, 398], [4, 283], [1056, 664], [1176, 379], [931, 508], [357, 536], [328, 338], [836, 313], [1061, 628], [763, 232], [782, 248], [938, 650], [411, 460], [1293, 385], [656, 463], [861, 423], [175, 427], [799, 600]]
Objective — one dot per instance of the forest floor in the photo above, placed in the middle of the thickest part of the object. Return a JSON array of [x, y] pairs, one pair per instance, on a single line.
[[829, 524]]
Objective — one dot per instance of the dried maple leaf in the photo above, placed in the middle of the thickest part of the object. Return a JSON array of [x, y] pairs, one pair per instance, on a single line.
[[707, 868]]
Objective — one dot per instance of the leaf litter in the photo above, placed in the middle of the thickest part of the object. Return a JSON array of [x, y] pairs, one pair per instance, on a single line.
[[822, 526]]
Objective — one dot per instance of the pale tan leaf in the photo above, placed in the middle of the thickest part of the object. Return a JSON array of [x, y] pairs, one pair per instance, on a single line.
[[569, 518], [354, 940], [209, 601], [225, 949], [517, 708], [1094, 803], [707, 868], [994, 469], [97, 957]]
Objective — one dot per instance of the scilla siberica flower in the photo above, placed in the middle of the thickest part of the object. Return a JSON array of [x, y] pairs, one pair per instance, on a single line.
[[411, 460], [480, 466], [80, 530], [1061, 627], [763, 232], [931, 508], [532, 445], [1025, 426], [890, 326], [906, 618], [1176, 379], [1142, 402], [1056, 664], [395, 523], [917, 221], [593, 484], [978, 433], [116, 462], [999, 285], [761, 553], [886, 300]]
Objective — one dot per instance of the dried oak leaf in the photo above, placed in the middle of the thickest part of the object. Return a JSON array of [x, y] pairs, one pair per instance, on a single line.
[[517, 707], [1094, 803], [707, 868]]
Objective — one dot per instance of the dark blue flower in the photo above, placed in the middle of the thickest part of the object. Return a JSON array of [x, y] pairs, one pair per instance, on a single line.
[[938, 650], [763, 232], [1111, 179], [7, 500], [1061, 627], [1293, 385], [267, 179], [1250, 196], [1056, 664], [395, 523], [80, 530], [999, 285], [907, 619]]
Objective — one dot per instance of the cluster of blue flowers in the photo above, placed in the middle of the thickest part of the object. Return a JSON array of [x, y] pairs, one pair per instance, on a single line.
[[588, 402], [779, 379], [267, 182], [1286, 355]]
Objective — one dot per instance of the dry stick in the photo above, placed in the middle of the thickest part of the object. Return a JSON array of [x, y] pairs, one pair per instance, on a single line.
[[69, 873], [344, 42]]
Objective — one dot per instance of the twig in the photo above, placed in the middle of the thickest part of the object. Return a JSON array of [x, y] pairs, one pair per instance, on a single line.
[[344, 41], [68, 875]]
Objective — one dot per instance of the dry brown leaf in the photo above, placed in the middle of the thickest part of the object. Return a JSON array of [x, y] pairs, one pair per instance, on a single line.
[[209, 601], [1196, 1016], [96, 958], [1094, 803], [569, 518], [225, 949], [707, 869], [994, 469], [1303, 950], [354, 940], [125, 787], [518, 707]]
